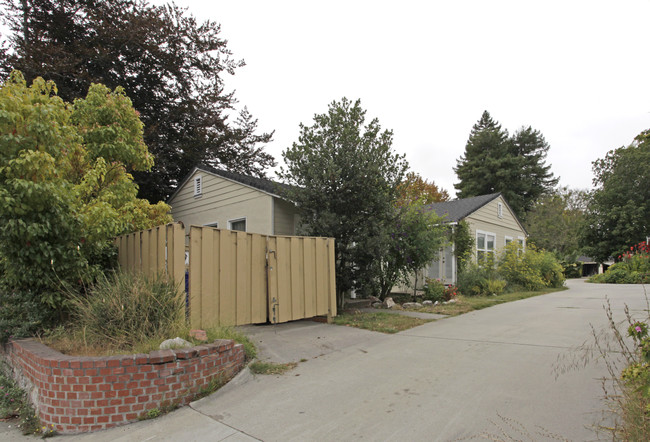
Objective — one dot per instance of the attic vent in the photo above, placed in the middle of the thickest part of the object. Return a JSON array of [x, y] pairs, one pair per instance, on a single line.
[[198, 185], [500, 210]]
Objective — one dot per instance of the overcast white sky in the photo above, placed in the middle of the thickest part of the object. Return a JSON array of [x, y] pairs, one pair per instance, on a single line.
[[575, 70]]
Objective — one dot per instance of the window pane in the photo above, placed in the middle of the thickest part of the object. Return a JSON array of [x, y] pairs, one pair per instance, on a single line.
[[490, 242], [238, 225], [480, 241]]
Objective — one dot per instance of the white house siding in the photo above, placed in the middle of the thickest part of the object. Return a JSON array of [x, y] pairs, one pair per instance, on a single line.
[[485, 219], [284, 216], [222, 201]]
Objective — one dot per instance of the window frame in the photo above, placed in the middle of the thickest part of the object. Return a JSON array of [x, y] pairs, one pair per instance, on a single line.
[[482, 252], [237, 220], [198, 186]]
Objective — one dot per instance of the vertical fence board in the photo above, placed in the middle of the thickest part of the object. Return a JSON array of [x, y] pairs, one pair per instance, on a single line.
[[209, 296], [331, 268], [272, 279], [196, 289], [297, 274], [309, 277], [160, 250], [321, 278], [243, 277], [227, 268], [258, 279], [284, 279]]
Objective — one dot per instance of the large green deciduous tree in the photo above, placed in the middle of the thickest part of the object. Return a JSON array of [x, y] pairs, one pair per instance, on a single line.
[[65, 192], [514, 165], [618, 214], [171, 66], [346, 179], [555, 221]]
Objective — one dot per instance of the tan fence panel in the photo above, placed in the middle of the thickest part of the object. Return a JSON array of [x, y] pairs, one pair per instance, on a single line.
[[227, 277], [301, 278], [157, 250]]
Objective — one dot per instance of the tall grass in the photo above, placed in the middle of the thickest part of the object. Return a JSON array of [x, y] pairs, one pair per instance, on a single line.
[[124, 309]]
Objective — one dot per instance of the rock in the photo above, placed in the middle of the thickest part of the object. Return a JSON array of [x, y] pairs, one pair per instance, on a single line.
[[389, 303], [436, 303], [411, 305], [175, 343], [427, 302], [374, 299], [199, 335], [377, 304], [451, 301]]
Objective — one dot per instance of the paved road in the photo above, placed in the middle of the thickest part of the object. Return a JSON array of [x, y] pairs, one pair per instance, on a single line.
[[456, 378]]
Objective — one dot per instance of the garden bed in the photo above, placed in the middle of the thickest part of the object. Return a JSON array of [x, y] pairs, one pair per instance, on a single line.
[[81, 394]]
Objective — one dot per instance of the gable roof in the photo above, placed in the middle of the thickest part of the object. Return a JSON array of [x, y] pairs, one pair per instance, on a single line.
[[456, 210], [271, 187]]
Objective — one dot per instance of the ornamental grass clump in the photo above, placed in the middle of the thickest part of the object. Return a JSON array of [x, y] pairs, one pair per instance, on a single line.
[[125, 309]]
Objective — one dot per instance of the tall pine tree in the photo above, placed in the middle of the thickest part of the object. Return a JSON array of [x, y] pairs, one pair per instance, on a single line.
[[513, 165], [170, 66]]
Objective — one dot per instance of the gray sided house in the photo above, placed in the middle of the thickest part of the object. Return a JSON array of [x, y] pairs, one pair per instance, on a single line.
[[492, 223], [228, 200]]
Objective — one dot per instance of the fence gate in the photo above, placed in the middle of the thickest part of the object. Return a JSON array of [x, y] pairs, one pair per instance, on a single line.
[[238, 278]]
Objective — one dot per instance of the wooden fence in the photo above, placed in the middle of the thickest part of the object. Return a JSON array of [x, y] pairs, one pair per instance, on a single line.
[[238, 278], [153, 251]]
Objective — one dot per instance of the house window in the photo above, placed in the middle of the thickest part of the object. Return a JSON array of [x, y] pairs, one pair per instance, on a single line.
[[508, 240], [238, 224], [522, 242], [485, 242], [500, 210], [198, 185], [214, 224]]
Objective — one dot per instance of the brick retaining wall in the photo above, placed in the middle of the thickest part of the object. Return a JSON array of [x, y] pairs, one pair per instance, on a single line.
[[81, 394]]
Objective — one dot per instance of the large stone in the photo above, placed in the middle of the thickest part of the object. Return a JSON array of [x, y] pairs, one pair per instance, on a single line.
[[411, 305], [374, 299], [389, 303], [170, 344], [377, 304], [427, 302]]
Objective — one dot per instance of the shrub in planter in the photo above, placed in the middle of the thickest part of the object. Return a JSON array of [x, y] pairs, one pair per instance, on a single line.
[[124, 308]]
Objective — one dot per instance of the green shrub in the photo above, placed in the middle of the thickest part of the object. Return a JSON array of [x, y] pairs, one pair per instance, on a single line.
[[434, 290], [530, 269], [633, 267], [480, 280], [125, 309]]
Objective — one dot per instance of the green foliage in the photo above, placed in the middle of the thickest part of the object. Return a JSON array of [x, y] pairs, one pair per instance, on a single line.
[[513, 165], [435, 290], [171, 65], [463, 240], [15, 404], [346, 177], [415, 239], [619, 209], [555, 221], [480, 280], [531, 269], [65, 192], [125, 309], [515, 269], [633, 267]]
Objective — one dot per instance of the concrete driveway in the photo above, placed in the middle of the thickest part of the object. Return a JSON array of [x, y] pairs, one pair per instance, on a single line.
[[490, 372]]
